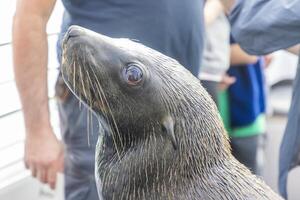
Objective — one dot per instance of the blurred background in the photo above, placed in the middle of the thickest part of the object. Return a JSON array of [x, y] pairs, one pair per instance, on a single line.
[[16, 182]]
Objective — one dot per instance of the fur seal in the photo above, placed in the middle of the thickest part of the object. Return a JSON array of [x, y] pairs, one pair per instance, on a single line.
[[166, 138]]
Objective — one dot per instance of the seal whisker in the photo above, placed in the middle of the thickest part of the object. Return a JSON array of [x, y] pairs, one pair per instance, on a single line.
[[90, 100], [74, 73], [88, 126], [109, 109], [97, 91], [89, 97], [82, 83]]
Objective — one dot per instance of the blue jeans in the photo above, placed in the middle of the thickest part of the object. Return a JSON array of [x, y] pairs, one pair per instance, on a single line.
[[80, 138]]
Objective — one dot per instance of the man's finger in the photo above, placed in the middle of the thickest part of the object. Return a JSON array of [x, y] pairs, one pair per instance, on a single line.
[[51, 177], [33, 170], [61, 163], [42, 175], [26, 164]]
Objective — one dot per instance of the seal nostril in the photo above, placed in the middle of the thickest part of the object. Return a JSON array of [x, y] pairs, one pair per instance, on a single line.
[[73, 31]]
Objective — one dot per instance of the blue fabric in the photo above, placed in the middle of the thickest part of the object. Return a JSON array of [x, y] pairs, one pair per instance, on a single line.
[[247, 94], [175, 28], [264, 26]]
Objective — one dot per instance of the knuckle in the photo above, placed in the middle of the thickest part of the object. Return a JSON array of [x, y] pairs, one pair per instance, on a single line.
[[51, 182], [44, 163], [26, 164], [33, 174], [42, 180]]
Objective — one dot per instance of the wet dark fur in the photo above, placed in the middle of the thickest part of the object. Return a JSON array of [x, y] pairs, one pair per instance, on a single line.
[[140, 158]]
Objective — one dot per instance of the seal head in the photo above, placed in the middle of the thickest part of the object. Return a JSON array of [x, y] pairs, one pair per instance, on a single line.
[[111, 74]]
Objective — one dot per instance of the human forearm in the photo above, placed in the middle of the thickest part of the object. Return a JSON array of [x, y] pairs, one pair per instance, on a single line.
[[212, 9], [30, 67], [295, 49], [227, 5], [240, 57]]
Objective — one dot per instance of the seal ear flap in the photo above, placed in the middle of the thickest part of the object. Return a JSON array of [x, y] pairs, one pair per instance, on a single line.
[[168, 129]]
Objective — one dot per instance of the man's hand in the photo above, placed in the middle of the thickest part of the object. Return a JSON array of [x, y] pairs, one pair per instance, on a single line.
[[228, 5], [294, 49], [44, 156], [226, 82], [268, 60]]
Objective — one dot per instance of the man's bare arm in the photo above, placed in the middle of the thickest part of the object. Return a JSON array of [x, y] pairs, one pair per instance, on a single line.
[[30, 59], [212, 9], [228, 5], [239, 57], [30, 50], [294, 50]]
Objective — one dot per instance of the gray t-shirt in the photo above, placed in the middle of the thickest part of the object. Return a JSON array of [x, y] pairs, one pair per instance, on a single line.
[[172, 27], [216, 53]]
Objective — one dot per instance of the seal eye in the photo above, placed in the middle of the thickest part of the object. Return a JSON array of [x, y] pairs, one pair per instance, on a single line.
[[133, 74]]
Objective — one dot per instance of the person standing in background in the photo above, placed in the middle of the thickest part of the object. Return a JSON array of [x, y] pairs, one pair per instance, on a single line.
[[245, 101], [172, 27], [215, 60]]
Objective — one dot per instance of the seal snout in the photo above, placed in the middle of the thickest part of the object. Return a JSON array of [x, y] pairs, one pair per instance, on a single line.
[[73, 32]]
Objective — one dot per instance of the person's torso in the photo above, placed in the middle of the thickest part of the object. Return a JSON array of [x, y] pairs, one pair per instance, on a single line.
[[171, 27], [215, 60]]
